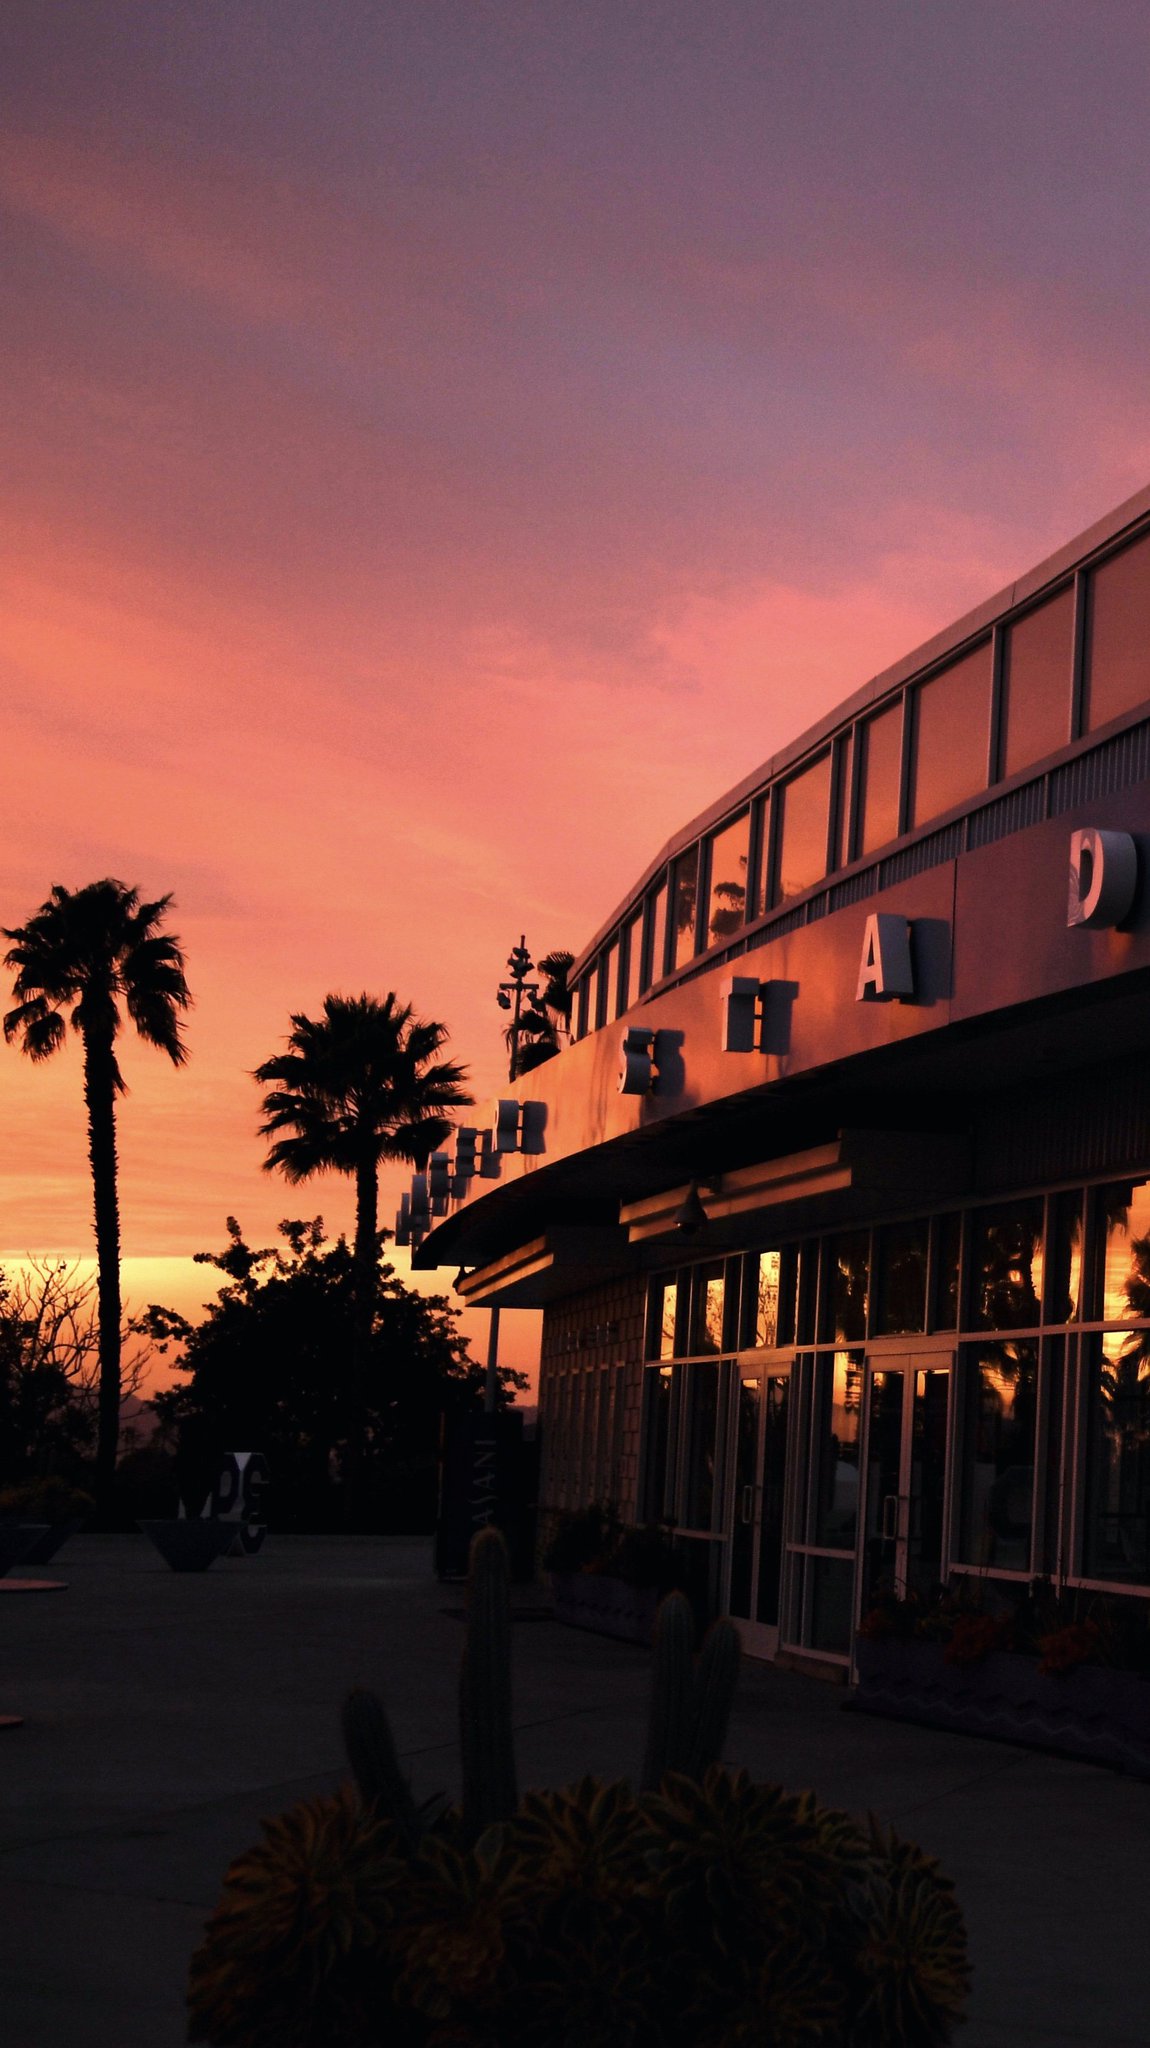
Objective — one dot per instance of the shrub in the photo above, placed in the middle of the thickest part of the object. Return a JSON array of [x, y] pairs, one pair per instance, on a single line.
[[700, 1911]]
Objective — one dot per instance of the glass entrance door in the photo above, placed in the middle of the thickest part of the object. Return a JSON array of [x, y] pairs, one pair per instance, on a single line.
[[759, 1465], [907, 1409]]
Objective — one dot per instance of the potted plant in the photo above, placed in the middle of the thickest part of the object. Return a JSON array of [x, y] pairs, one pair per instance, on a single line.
[[608, 1575], [700, 1907]]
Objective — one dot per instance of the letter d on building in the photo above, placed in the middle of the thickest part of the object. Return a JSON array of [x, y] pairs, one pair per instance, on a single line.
[[1103, 877]]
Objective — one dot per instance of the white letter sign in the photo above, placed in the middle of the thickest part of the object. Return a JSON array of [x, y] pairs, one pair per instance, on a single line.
[[885, 968], [1103, 877]]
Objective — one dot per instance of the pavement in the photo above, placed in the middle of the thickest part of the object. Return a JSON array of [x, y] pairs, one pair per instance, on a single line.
[[164, 1715]]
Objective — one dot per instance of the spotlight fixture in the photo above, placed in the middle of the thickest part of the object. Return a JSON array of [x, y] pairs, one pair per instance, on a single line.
[[690, 1216]]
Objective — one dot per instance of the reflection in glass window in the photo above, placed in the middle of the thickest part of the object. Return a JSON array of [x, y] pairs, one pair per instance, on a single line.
[[702, 1417], [1125, 1218], [838, 1410], [1118, 1486], [1007, 1260], [881, 778], [666, 1315], [657, 963], [804, 822], [902, 1278], [684, 890], [947, 1245], [1118, 635], [1065, 1261], [608, 985], [846, 1284], [952, 735], [631, 963], [1036, 676], [709, 1295], [657, 1384], [767, 1276], [998, 1456], [829, 1592], [727, 904]]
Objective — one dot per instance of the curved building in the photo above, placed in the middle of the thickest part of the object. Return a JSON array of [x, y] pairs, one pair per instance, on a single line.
[[838, 1203]]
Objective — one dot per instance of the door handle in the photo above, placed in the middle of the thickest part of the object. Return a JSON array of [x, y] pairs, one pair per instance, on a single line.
[[747, 1509], [888, 1527]]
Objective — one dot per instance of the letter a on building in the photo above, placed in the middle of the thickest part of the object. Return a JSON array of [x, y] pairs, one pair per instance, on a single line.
[[885, 970]]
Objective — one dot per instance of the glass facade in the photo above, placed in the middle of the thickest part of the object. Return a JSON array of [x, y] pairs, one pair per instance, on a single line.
[[934, 745], [906, 1443]]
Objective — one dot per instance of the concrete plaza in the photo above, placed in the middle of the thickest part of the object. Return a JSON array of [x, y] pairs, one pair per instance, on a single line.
[[165, 1715]]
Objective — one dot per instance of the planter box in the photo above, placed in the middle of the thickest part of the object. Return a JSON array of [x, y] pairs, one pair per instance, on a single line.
[[193, 1543], [1098, 1715], [608, 1606]]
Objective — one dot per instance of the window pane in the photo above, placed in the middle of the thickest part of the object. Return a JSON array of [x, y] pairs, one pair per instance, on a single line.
[[608, 984], [1065, 1260], [952, 735], [703, 1407], [1007, 1266], [902, 1278], [826, 1605], [684, 889], [708, 1309], [881, 777], [1118, 635], [1118, 1486], [804, 821], [764, 1332], [846, 1282], [1124, 1218], [656, 965], [838, 1407], [656, 1440], [998, 1460], [947, 1244], [582, 999], [665, 1301], [632, 962], [727, 906], [1036, 681]]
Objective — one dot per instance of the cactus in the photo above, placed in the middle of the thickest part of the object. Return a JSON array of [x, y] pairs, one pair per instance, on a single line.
[[486, 1734], [670, 1713], [690, 1707], [375, 1765], [713, 1696]]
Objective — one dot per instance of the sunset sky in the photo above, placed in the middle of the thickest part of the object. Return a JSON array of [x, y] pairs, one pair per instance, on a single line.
[[444, 445]]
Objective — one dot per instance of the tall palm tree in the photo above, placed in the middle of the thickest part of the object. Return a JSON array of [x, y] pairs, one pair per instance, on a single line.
[[358, 1086], [84, 952]]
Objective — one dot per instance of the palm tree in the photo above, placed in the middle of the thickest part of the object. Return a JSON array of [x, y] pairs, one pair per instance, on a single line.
[[358, 1086], [540, 1024], [85, 951]]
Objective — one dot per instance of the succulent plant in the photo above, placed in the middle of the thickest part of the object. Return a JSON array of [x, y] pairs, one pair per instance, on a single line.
[[702, 1911]]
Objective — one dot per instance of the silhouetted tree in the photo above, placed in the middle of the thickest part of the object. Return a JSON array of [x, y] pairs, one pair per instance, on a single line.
[[84, 952], [358, 1086], [259, 1376]]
